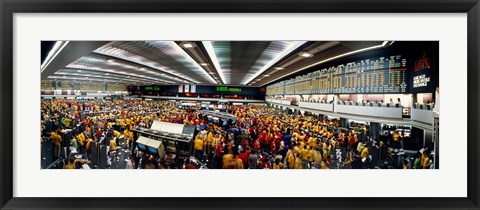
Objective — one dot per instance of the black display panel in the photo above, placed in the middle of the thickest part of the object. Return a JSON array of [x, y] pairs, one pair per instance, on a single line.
[[425, 71], [389, 70]]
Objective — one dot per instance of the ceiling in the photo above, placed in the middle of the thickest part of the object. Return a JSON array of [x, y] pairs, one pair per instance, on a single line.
[[243, 63]]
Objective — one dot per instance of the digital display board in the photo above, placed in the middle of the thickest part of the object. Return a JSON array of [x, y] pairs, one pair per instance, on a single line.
[[228, 89], [374, 75]]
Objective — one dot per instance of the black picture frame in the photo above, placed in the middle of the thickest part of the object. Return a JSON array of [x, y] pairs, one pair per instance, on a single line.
[[10, 7]]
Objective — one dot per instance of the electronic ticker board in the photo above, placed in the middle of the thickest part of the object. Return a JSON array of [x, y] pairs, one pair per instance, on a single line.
[[376, 75]]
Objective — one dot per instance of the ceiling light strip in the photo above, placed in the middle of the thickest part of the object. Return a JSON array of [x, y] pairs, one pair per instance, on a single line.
[[286, 51], [101, 70], [106, 52], [191, 60], [105, 77], [57, 48], [211, 53], [81, 78], [86, 63], [332, 58]]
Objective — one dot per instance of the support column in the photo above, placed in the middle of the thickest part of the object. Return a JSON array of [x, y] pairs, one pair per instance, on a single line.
[[344, 122], [374, 131], [320, 116], [436, 135]]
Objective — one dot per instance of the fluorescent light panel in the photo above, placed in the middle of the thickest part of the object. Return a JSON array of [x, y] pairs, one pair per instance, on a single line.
[[120, 53], [104, 71], [286, 51], [193, 62], [211, 53], [89, 63], [57, 48]]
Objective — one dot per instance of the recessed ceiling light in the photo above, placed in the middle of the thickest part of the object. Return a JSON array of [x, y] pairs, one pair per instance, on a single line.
[[305, 54], [266, 75], [188, 45], [143, 68], [110, 60], [107, 73], [86, 77], [278, 68], [204, 64], [79, 70]]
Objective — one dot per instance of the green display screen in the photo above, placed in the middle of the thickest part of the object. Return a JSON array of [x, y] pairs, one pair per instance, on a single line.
[[148, 88], [156, 88], [228, 89], [222, 89]]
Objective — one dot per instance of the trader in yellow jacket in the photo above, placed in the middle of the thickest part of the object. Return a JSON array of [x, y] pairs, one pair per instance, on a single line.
[[198, 146], [56, 140], [113, 145], [364, 153], [291, 160], [298, 162], [425, 161], [316, 157], [127, 137], [228, 161], [81, 139]]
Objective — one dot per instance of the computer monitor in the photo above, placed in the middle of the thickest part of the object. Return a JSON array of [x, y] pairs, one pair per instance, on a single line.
[[153, 151], [156, 147], [142, 142], [142, 147]]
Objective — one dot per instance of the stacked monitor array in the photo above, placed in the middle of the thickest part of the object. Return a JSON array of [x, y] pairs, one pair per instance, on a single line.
[[175, 131], [151, 146], [164, 135], [219, 118]]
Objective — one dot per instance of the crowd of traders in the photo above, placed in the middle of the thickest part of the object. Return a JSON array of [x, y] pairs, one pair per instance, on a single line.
[[261, 137], [264, 137]]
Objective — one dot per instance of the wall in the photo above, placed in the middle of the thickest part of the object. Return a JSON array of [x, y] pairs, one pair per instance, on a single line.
[[423, 98]]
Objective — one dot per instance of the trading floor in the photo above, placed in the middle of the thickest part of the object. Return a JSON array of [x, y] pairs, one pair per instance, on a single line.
[[156, 134], [219, 104]]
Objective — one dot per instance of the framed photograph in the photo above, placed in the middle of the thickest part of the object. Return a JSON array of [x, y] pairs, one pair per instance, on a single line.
[[112, 88]]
